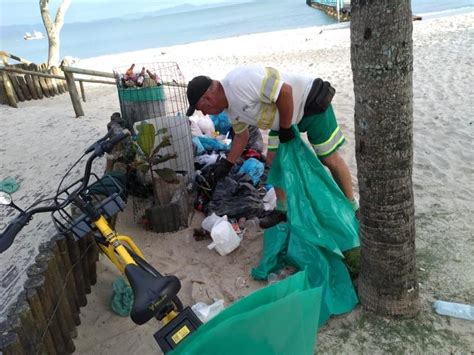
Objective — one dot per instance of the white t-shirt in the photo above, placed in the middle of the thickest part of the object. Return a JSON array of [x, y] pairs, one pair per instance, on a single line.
[[252, 92]]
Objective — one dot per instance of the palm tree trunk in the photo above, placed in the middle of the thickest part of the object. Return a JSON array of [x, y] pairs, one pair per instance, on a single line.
[[382, 65]]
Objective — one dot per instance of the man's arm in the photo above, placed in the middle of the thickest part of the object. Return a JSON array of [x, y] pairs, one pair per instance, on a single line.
[[284, 104], [238, 145]]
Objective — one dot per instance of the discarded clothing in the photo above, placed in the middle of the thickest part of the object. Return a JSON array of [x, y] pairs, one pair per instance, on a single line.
[[213, 144], [199, 148], [236, 198], [253, 168], [122, 297]]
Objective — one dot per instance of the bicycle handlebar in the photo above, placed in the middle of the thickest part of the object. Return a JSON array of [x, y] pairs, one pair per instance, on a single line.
[[103, 145], [8, 236]]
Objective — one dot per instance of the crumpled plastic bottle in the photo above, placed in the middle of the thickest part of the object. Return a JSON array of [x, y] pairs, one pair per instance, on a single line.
[[453, 309]]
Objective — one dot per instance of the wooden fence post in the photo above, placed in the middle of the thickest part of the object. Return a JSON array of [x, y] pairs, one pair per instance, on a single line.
[[45, 297], [31, 86], [9, 90], [83, 92], [16, 87], [33, 287], [76, 101]]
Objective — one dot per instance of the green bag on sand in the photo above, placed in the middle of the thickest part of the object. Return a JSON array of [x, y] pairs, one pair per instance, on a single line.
[[321, 225], [281, 318], [9, 185], [122, 297]]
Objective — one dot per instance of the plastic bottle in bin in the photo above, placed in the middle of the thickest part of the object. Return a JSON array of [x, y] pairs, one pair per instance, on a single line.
[[141, 77], [453, 309]]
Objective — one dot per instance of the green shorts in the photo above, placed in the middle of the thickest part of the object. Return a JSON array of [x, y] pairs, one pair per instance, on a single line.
[[324, 133]]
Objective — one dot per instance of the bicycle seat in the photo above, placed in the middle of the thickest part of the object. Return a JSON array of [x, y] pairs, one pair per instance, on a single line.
[[150, 293]]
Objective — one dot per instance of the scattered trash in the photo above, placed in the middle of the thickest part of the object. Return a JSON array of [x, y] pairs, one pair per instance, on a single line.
[[452, 309], [199, 147], [201, 234], [206, 312], [206, 125], [236, 198], [281, 275], [252, 225], [269, 200], [206, 160], [9, 185], [225, 239], [236, 227], [121, 301], [241, 222], [210, 221], [254, 168], [240, 282], [272, 278]]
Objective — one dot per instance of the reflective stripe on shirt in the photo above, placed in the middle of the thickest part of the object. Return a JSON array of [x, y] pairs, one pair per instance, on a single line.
[[268, 90]]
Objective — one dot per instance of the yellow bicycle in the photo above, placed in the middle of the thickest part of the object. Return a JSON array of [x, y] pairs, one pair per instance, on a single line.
[[155, 295]]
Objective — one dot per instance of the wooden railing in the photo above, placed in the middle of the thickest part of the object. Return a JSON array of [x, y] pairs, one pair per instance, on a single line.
[[35, 83], [44, 318]]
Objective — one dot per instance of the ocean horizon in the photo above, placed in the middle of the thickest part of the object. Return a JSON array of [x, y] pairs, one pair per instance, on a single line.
[[96, 28]]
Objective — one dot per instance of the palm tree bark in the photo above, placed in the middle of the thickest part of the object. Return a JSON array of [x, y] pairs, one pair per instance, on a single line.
[[382, 65], [53, 29]]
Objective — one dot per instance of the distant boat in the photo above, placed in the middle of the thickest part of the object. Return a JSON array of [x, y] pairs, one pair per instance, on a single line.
[[35, 35]]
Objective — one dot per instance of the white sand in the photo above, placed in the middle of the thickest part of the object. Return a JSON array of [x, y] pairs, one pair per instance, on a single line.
[[41, 138]]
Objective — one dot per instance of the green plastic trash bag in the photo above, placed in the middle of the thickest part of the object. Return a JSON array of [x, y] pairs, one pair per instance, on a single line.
[[321, 225], [275, 245], [281, 318], [122, 297]]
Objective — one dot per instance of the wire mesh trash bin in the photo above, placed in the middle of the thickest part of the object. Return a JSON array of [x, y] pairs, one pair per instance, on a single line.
[[158, 97], [138, 104]]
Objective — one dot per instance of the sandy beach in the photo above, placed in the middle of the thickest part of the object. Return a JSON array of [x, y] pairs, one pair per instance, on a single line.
[[41, 139]]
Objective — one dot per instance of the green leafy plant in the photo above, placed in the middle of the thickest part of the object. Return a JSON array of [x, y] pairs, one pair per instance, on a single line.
[[148, 156]]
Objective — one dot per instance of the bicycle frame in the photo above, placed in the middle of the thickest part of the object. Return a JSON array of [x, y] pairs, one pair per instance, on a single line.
[[155, 295], [115, 245]]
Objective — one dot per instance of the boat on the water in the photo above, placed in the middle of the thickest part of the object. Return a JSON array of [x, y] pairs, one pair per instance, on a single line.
[[35, 35]]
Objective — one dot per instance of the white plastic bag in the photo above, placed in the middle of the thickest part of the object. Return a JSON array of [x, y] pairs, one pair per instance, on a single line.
[[269, 200], [206, 312], [210, 221], [206, 125], [225, 240]]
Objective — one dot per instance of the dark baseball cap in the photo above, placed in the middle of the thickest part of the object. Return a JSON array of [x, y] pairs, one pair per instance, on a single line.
[[196, 88]]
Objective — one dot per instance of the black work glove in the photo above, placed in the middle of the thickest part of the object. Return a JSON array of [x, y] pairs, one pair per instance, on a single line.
[[222, 169], [285, 135]]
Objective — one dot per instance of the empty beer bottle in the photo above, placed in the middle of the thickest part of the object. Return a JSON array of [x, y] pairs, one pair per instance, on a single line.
[[141, 77]]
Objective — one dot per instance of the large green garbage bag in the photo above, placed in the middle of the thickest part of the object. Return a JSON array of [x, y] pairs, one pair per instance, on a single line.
[[321, 225], [281, 318]]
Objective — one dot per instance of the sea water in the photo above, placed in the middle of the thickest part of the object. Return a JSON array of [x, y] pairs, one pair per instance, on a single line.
[[94, 28]]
